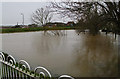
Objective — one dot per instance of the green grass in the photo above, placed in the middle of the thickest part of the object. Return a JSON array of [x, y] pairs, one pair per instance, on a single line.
[[12, 30]]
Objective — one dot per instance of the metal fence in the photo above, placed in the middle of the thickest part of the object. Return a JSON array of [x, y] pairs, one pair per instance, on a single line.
[[10, 69]]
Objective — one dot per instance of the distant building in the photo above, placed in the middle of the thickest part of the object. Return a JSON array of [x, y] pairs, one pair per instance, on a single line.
[[17, 26], [71, 24], [25, 26], [5, 27], [55, 24], [32, 25]]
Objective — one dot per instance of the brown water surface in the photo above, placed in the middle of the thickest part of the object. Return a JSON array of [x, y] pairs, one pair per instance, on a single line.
[[76, 55]]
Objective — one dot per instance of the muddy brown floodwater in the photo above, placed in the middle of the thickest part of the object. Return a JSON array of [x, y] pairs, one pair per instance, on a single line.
[[80, 55]]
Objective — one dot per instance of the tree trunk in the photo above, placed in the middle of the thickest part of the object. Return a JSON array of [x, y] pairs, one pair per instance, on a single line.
[[118, 28]]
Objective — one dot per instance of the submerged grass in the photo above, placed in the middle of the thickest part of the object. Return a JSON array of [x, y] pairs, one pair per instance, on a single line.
[[12, 30]]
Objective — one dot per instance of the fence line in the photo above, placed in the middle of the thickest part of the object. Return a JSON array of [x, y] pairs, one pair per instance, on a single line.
[[21, 70]]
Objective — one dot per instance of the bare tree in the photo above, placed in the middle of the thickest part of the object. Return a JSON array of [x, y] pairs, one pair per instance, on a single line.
[[86, 11], [41, 16], [77, 9], [73, 10], [112, 10]]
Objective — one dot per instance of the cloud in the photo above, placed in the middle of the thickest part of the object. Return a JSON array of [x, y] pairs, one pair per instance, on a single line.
[[0, 14]]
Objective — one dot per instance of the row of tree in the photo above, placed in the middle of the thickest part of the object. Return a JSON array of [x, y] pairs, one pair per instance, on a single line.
[[88, 15]]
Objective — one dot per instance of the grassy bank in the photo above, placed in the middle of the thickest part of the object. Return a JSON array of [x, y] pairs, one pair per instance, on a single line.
[[12, 30]]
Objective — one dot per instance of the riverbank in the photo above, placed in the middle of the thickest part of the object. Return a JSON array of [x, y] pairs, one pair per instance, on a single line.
[[13, 30]]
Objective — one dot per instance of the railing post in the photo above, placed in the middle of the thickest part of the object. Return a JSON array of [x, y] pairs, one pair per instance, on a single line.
[[11, 70]]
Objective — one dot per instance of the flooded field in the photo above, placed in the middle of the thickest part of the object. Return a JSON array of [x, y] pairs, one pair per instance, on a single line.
[[80, 55]]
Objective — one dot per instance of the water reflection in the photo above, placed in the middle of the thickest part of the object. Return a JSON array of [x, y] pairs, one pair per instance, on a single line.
[[97, 56], [76, 55], [55, 32], [45, 43]]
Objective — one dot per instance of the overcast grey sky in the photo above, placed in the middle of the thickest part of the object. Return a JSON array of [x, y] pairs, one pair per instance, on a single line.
[[0, 13], [11, 12]]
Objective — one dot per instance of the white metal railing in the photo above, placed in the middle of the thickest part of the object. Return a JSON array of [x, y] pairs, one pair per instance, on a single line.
[[10, 69]]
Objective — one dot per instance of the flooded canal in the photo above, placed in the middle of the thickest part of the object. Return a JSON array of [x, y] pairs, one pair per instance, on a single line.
[[80, 55]]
